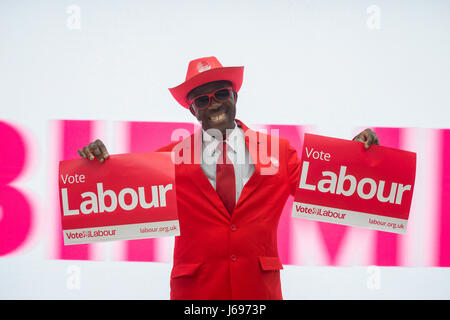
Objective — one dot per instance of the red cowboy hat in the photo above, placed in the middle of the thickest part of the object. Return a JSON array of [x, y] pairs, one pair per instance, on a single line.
[[204, 70]]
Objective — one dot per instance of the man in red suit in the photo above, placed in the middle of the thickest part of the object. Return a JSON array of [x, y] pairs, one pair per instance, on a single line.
[[230, 201]]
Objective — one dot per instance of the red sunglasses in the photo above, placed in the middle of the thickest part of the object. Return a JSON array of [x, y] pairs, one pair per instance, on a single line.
[[203, 101]]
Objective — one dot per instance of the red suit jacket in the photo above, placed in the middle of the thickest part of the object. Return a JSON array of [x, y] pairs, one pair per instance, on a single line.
[[218, 256]]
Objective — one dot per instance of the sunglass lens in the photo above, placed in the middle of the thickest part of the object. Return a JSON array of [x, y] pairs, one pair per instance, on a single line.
[[202, 102], [222, 94]]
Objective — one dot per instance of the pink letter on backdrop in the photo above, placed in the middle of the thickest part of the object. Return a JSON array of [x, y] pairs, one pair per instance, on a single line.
[[75, 134], [387, 243], [332, 236], [148, 137], [295, 136], [444, 232], [15, 209]]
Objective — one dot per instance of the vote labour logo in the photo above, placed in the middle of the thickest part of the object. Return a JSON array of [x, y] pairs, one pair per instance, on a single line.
[[119, 198], [342, 182]]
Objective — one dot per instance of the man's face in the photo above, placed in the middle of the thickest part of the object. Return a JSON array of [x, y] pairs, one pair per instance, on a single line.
[[218, 115]]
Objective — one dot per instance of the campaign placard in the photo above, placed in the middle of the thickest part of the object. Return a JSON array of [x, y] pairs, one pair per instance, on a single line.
[[342, 182], [129, 196]]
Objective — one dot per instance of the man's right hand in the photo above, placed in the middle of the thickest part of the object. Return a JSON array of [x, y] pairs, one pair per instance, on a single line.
[[94, 150]]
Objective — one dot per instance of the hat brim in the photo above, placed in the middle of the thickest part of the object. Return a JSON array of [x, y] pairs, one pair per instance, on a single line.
[[233, 74]]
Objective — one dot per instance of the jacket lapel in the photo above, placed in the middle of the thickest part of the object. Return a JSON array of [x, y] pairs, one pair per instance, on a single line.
[[252, 143]]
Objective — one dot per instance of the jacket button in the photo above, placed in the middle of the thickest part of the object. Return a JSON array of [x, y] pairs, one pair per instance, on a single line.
[[233, 257], [233, 227]]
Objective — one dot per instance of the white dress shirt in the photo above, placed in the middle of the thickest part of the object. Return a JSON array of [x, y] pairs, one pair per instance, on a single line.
[[236, 151]]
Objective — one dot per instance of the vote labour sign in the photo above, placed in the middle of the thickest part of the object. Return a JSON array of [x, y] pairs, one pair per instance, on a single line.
[[341, 182], [129, 196]]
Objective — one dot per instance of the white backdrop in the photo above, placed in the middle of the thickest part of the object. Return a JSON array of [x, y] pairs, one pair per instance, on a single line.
[[336, 65]]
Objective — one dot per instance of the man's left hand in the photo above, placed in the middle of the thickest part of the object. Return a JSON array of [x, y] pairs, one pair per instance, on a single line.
[[367, 136]]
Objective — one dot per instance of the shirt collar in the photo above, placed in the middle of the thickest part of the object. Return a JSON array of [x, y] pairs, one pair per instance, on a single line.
[[231, 140]]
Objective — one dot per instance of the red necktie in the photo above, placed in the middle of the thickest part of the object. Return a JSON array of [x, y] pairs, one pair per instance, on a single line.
[[225, 180]]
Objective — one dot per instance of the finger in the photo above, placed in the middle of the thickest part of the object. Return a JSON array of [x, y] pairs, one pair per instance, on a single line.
[[81, 153], [361, 137], [102, 149], [93, 147], [370, 138], [88, 153], [369, 141], [377, 142]]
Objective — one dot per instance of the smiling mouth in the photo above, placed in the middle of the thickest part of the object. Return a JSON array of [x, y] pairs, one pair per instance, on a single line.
[[218, 117]]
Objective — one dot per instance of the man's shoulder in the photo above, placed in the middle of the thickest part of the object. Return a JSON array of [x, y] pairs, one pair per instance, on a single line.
[[168, 148], [267, 137], [262, 135]]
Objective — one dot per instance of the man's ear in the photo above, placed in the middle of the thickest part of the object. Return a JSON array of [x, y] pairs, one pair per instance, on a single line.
[[235, 96]]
